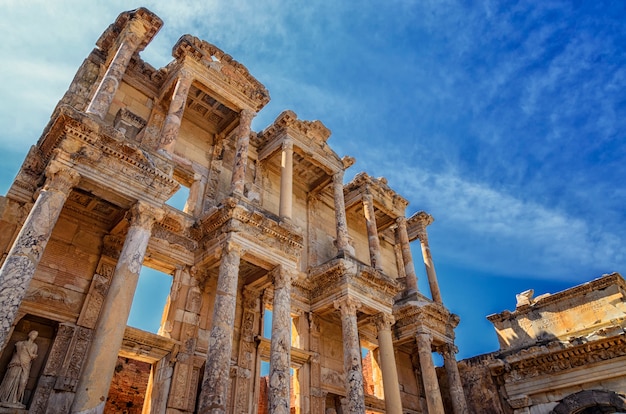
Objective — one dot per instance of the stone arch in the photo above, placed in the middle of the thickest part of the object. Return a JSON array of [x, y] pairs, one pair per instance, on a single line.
[[584, 402]]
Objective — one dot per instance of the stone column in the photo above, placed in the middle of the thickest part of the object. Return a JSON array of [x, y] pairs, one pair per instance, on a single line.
[[214, 393], [407, 257], [19, 266], [99, 368], [241, 154], [174, 116], [424, 220], [393, 401], [286, 179], [105, 93], [280, 350], [340, 213], [372, 231], [352, 364], [429, 375], [459, 405]]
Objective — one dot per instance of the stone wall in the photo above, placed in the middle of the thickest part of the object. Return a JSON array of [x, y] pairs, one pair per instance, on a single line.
[[128, 388]]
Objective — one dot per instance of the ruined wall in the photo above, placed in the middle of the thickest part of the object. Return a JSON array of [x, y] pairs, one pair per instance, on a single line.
[[481, 389], [128, 387]]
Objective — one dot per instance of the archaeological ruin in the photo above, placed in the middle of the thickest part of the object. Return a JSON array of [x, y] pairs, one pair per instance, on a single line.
[[291, 291]]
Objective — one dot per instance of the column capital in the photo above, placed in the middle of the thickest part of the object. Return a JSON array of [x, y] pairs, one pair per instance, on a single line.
[[60, 178], [246, 116], [383, 321], [145, 215], [280, 277], [250, 298], [447, 350], [422, 336], [287, 143], [421, 220], [347, 305], [401, 221]]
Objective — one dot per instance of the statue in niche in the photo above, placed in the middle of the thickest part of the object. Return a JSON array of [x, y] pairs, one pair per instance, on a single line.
[[16, 377]]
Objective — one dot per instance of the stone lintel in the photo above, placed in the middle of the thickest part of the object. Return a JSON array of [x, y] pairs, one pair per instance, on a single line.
[[341, 277], [417, 223], [260, 230], [146, 346], [221, 71], [424, 315]]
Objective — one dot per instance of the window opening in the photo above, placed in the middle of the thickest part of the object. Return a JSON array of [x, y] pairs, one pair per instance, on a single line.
[[150, 298]]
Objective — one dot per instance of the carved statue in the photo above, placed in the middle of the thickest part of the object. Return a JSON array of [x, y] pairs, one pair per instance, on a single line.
[[16, 377]]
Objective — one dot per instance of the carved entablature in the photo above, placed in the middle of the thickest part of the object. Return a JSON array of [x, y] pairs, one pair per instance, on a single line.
[[252, 226], [345, 276], [425, 315], [145, 346], [102, 156], [388, 204], [557, 357], [150, 21], [223, 67]]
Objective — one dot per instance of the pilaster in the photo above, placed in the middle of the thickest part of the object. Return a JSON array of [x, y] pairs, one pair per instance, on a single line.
[[241, 152]]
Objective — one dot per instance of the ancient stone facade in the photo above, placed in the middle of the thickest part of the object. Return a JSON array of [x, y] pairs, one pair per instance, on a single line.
[[269, 227], [560, 353]]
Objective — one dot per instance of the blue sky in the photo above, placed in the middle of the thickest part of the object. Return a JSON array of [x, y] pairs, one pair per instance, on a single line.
[[503, 120]]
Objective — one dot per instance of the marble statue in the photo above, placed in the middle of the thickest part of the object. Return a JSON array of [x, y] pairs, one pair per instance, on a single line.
[[18, 370]]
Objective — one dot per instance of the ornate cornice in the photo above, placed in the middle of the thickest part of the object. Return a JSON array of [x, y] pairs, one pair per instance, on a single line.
[[222, 64], [557, 357], [260, 228]]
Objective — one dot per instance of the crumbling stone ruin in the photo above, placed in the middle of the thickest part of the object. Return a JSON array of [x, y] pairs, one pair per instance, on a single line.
[[269, 227], [270, 239]]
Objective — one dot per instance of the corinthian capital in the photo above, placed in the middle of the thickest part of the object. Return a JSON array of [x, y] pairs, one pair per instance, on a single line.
[[145, 215], [347, 305], [60, 178], [280, 276], [383, 321]]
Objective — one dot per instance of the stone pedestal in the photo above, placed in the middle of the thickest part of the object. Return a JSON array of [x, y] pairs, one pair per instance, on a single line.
[[214, 393], [98, 371], [237, 183], [393, 401], [352, 366], [280, 351], [19, 266]]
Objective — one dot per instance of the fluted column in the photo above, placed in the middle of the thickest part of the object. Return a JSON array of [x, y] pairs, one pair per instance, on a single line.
[[19, 266], [459, 404], [352, 364], [280, 349], [286, 179], [105, 93], [372, 231], [407, 257], [340, 213], [423, 221], [429, 375], [98, 371], [393, 401], [174, 117], [214, 394], [241, 154]]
